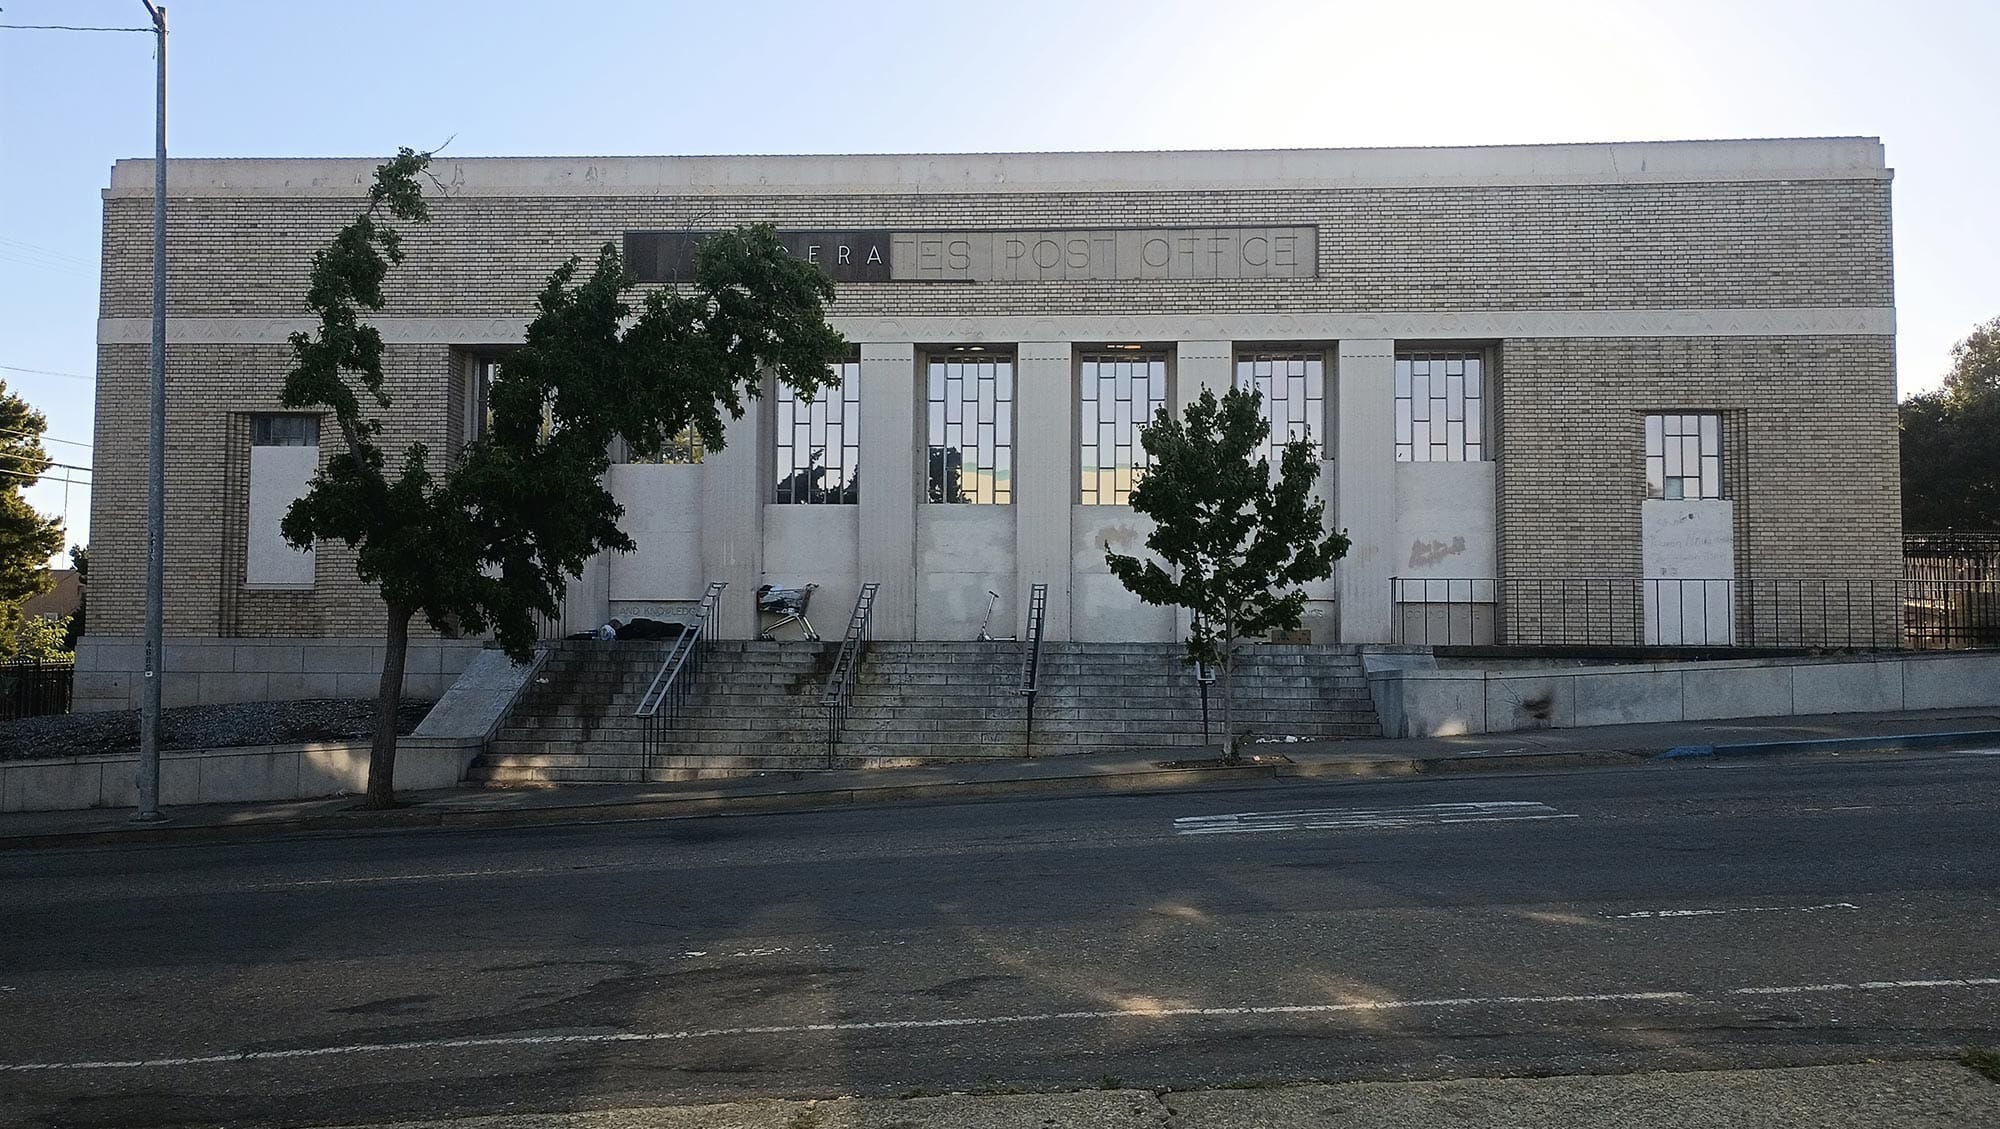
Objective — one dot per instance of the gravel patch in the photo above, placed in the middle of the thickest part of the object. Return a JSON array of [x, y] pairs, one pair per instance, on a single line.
[[203, 727]]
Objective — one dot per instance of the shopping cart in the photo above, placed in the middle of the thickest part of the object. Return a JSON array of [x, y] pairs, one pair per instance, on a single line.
[[789, 604]]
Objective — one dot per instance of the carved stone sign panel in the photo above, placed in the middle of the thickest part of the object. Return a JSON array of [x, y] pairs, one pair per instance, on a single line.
[[1105, 254], [1092, 254], [846, 256]]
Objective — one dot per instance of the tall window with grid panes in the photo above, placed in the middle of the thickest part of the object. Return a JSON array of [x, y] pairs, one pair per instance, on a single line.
[[1293, 387], [1441, 398], [1684, 456], [818, 442], [969, 428], [1118, 391]]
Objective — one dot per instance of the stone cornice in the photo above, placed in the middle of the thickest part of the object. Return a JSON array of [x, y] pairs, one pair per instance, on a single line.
[[1410, 325], [1816, 158]]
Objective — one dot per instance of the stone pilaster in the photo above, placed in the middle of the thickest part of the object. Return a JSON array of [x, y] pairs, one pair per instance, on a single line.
[[891, 477], [733, 494], [1045, 486], [1365, 486]]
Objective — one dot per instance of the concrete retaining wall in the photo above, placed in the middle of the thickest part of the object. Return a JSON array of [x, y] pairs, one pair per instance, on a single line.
[[216, 671], [214, 776], [485, 693], [1417, 702]]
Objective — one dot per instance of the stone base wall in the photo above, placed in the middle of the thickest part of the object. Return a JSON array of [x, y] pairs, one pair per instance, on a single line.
[[201, 672], [223, 776], [1417, 702]]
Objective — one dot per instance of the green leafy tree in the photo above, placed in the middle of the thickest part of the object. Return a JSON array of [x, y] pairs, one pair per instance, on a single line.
[[487, 541], [79, 559], [1951, 441], [44, 639], [27, 539], [1237, 543]]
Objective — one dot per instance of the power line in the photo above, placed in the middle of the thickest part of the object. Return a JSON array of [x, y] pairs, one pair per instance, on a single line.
[[69, 27], [48, 372], [65, 466], [43, 438], [40, 263], [31, 255], [45, 477], [44, 252]]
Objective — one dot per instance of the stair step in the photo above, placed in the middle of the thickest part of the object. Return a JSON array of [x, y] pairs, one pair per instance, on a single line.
[[755, 707]]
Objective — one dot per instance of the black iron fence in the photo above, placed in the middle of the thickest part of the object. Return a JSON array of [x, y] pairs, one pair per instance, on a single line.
[[32, 688], [1802, 613], [1951, 556], [553, 626]]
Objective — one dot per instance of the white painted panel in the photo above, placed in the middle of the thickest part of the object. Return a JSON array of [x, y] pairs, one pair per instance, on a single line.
[[1688, 557], [816, 545], [662, 505], [1445, 532], [1363, 490], [963, 552], [1102, 609], [279, 476], [1444, 523]]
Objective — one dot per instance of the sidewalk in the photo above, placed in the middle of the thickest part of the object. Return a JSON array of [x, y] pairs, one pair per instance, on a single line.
[[1126, 771], [1915, 1095]]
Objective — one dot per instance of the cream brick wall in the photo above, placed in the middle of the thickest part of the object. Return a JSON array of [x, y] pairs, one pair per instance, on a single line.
[[1811, 433], [1809, 459], [1810, 450], [1610, 246], [207, 386]]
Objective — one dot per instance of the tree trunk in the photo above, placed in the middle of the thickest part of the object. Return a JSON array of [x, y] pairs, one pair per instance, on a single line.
[[1228, 693], [382, 757]]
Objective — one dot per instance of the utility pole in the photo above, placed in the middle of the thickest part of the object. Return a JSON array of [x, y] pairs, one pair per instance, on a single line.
[[148, 781], [156, 458]]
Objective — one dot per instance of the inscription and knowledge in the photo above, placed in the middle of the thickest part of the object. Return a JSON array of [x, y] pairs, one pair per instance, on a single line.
[[1124, 254], [1082, 254]]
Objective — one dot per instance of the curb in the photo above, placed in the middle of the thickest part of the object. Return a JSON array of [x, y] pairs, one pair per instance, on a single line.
[[1460, 763], [764, 802], [1886, 743], [1148, 780]]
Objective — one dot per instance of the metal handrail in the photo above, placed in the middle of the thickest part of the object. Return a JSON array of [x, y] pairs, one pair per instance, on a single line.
[[1031, 643], [676, 678], [1031, 658], [846, 668]]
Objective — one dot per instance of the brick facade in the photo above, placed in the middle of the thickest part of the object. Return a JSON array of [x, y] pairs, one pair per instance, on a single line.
[[1809, 450], [1809, 462], [1618, 246], [1809, 425]]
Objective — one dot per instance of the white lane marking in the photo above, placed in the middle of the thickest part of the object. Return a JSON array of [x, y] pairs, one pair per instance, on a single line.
[[1865, 986], [975, 1021], [814, 1028], [763, 951], [428, 876], [1656, 913], [1333, 819]]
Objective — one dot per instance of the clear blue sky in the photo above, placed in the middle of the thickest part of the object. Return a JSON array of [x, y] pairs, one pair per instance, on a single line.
[[505, 77]]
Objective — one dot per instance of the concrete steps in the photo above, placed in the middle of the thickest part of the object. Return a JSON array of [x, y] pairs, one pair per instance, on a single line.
[[756, 707]]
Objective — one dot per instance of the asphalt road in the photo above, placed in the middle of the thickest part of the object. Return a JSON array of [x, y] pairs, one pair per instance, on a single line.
[[1692, 916]]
